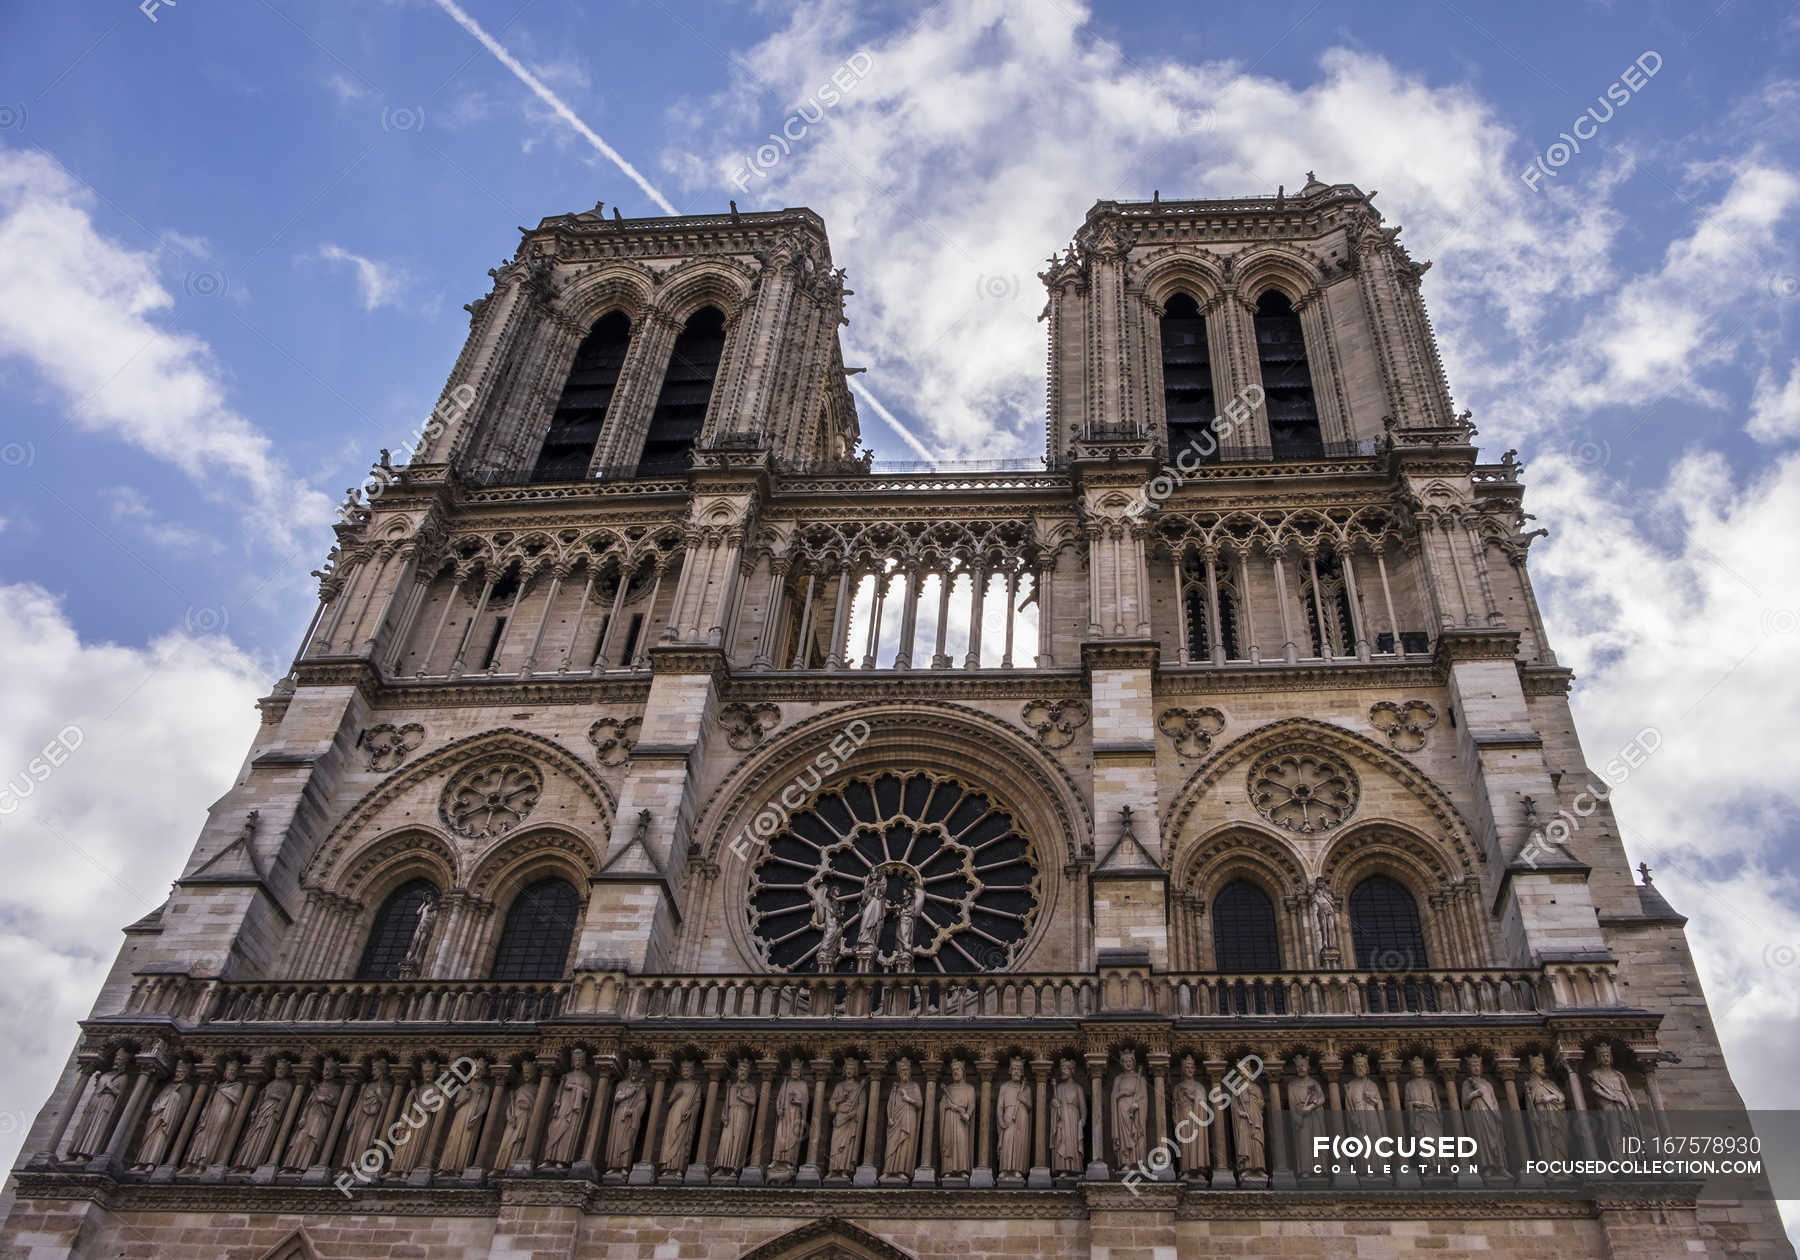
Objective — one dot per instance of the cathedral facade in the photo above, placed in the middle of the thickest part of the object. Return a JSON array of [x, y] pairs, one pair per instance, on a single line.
[[678, 836]]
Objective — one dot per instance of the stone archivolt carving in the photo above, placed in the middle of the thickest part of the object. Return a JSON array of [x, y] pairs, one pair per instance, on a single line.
[[1303, 789], [746, 724], [1404, 724], [491, 797], [614, 739], [858, 874], [1055, 721], [387, 745], [1191, 730]]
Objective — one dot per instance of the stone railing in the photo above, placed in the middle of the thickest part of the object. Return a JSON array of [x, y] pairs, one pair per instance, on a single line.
[[1133, 989]]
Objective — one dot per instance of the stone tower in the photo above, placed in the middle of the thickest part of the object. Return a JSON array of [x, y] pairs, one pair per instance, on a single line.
[[678, 836]]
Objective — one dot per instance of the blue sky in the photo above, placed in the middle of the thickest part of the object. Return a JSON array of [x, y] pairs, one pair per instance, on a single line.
[[235, 242]]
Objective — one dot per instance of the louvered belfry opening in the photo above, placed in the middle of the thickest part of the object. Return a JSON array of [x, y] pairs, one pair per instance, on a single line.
[[1188, 402], [581, 411], [1286, 380], [686, 390]]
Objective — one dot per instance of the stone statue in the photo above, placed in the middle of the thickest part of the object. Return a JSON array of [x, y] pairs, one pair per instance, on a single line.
[[1324, 915], [103, 1097], [1421, 1102], [415, 1121], [1130, 1110], [629, 1101], [846, 1104], [679, 1122], [164, 1120], [907, 924], [1249, 1135], [467, 1113], [258, 1143], [1012, 1116], [1614, 1101], [792, 1102], [831, 928], [1544, 1102], [874, 911], [906, 1103], [562, 1139], [1481, 1117], [518, 1117], [956, 1119], [215, 1120], [1190, 1111], [1362, 1101], [369, 1112], [304, 1148], [740, 1116], [1306, 1099], [421, 939], [1068, 1120]]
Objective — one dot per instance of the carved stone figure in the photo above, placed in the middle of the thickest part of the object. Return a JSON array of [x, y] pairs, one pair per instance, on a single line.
[[1362, 1101], [1012, 1116], [258, 1142], [164, 1119], [1614, 1101], [104, 1093], [678, 1123], [415, 1131], [629, 1100], [304, 1148], [563, 1137], [1068, 1120], [1481, 1117], [1306, 1099], [1189, 1098], [907, 924], [414, 961], [874, 911], [1420, 1098], [467, 1112], [906, 1103], [1249, 1135], [1130, 1110], [210, 1131], [831, 928], [846, 1105], [740, 1117], [369, 1111], [792, 1102], [1324, 916], [956, 1119], [1544, 1103], [518, 1117]]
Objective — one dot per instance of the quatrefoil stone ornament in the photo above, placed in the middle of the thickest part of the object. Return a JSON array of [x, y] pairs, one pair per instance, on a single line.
[[746, 724], [1404, 724], [490, 798], [1191, 730], [1303, 790], [387, 745], [1055, 721]]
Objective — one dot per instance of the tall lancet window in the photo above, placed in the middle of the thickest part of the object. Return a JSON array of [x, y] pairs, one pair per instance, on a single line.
[[575, 426], [1286, 379], [686, 390], [392, 933], [534, 942], [1187, 378]]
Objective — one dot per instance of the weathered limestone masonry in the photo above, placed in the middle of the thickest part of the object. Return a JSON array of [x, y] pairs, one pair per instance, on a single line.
[[679, 837]]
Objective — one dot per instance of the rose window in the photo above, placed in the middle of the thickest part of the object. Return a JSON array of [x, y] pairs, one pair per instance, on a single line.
[[491, 798], [895, 872], [1307, 792]]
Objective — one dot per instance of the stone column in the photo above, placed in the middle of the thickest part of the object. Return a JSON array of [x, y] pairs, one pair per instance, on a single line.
[[1281, 1171], [698, 1172], [1046, 590], [840, 627], [752, 1173], [1096, 1067], [925, 1174], [1290, 652], [1347, 562], [1447, 1070], [1214, 622], [1223, 1175], [909, 616], [1012, 608], [1039, 1178], [1508, 1071], [806, 619], [547, 1085], [809, 1173], [876, 604], [767, 645], [868, 1173], [977, 599], [1182, 649], [126, 1122], [1244, 606], [643, 1173], [1159, 1111], [982, 1175], [587, 1159]]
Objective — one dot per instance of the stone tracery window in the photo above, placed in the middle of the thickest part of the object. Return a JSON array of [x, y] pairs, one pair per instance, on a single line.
[[534, 943], [1306, 790], [895, 872], [1244, 933], [391, 935], [1385, 928]]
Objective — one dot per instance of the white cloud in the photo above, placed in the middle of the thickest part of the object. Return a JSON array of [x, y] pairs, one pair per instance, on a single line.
[[82, 309], [378, 284], [160, 731], [1775, 408], [128, 506], [347, 92]]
